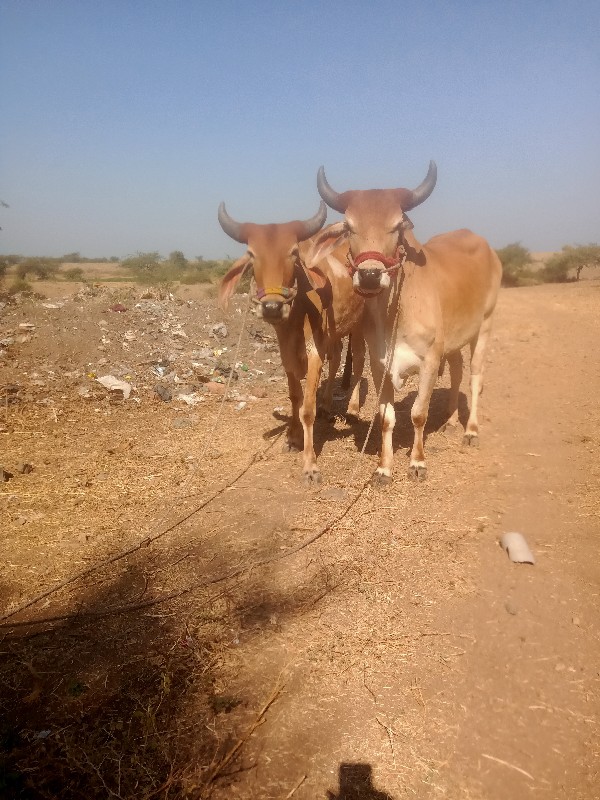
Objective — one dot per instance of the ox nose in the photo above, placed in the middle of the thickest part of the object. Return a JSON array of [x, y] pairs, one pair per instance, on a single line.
[[272, 309], [369, 278]]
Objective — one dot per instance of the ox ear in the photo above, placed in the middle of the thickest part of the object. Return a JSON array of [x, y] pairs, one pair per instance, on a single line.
[[326, 242], [406, 224], [231, 279]]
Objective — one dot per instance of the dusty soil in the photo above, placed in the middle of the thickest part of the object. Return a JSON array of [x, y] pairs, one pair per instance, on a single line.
[[399, 654]]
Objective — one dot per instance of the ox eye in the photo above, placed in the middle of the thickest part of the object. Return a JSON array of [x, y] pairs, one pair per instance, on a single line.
[[350, 225], [250, 254], [294, 252]]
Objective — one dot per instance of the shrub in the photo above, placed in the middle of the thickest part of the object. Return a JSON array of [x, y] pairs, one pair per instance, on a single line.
[[42, 268], [20, 285], [73, 274], [515, 262], [571, 258]]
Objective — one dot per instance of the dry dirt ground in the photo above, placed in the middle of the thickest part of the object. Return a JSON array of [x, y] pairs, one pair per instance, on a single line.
[[183, 642]]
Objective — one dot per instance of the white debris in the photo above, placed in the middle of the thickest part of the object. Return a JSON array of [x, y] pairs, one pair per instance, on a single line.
[[27, 326], [115, 385], [219, 330], [191, 399], [517, 548]]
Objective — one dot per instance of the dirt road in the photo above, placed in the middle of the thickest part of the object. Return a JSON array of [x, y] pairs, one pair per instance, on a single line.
[[400, 655]]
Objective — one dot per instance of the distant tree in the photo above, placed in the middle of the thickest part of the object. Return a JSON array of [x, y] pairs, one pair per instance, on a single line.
[[3, 205], [72, 258], [142, 262], [515, 261], [42, 268], [177, 259], [571, 258], [3, 268], [12, 259]]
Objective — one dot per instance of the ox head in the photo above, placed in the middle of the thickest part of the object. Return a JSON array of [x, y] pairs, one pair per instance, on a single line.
[[374, 224], [273, 255]]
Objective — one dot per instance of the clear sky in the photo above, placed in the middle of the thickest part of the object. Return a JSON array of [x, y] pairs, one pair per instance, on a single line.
[[126, 122]]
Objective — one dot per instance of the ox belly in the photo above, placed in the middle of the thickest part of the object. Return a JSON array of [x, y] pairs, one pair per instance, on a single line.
[[405, 362]]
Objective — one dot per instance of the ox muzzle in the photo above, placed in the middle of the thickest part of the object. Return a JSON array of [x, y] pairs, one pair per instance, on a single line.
[[273, 303], [371, 271]]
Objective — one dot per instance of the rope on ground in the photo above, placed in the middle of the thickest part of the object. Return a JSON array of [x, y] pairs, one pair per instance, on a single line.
[[160, 527], [234, 573], [153, 536]]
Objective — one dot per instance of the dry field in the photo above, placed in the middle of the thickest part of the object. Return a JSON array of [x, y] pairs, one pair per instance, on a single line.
[[181, 618]]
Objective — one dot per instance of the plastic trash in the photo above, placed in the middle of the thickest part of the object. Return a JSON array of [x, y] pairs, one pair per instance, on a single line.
[[517, 548], [115, 385]]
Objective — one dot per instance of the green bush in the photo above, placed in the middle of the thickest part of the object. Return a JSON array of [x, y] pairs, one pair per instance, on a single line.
[[571, 259], [516, 261], [151, 268], [41, 268]]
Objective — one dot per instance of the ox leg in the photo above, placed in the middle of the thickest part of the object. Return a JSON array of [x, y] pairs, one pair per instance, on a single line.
[[358, 364], [335, 356], [387, 413], [455, 362], [310, 470], [478, 347], [419, 412], [295, 434]]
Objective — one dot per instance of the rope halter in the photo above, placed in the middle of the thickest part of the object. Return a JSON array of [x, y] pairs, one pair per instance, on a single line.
[[390, 265], [287, 293]]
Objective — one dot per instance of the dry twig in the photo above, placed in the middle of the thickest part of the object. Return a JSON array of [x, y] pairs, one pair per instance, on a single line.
[[216, 771]]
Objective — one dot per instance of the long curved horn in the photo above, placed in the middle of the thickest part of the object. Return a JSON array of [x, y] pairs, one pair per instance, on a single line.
[[309, 227], [423, 190], [230, 226], [332, 198]]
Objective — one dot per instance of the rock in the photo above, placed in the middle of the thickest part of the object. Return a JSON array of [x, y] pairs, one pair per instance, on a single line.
[[5, 475], [24, 468], [219, 331], [202, 353], [181, 422], [119, 308], [115, 385], [190, 399], [163, 392], [215, 388]]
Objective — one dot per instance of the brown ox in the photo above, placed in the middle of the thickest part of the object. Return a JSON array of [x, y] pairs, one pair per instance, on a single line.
[[311, 308], [423, 304]]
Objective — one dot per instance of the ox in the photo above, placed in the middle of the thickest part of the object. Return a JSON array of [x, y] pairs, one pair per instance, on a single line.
[[423, 303], [311, 307]]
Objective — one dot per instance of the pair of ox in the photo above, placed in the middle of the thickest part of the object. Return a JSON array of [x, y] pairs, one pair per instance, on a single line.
[[417, 305]]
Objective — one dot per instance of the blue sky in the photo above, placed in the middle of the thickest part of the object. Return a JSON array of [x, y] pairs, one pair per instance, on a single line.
[[126, 122]]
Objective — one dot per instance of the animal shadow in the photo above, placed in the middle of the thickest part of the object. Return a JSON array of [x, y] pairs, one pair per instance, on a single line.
[[356, 783]]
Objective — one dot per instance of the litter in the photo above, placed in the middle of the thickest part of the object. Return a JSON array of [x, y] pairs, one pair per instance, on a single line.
[[517, 548], [115, 385], [190, 399]]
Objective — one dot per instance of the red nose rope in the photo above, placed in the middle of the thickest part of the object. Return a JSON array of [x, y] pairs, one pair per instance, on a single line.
[[390, 264]]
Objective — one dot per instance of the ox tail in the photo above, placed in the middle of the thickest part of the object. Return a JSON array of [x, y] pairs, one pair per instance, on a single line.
[[347, 374]]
